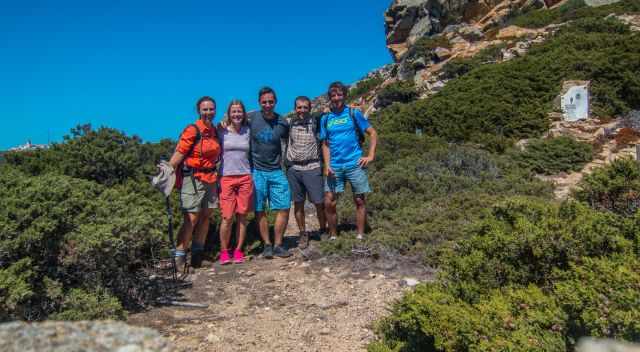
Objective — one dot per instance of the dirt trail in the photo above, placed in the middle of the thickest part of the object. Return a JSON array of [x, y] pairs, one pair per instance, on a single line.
[[303, 303]]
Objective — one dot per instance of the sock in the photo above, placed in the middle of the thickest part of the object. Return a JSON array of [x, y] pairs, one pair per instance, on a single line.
[[179, 253], [197, 247]]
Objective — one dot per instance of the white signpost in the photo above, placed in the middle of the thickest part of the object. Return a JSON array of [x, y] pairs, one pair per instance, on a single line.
[[575, 102]]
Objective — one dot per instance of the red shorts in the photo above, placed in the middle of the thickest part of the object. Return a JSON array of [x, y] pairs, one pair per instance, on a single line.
[[236, 195]]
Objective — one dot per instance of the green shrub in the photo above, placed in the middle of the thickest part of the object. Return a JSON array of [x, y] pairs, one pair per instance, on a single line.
[[424, 46], [364, 87], [82, 305], [457, 67], [400, 92], [518, 284], [571, 10], [615, 187], [513, 319], [525, 240], [67, 233], [15, 287], [554, 155], [511, 100], [601, 297], [106, 156]]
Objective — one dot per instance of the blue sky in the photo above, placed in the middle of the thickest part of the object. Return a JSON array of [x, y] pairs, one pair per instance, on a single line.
[[139, 66]]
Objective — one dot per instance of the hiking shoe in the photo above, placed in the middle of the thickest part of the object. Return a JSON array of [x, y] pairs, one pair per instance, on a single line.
[[267, 252], [181, 262], [196, 259], [280, 252], [333, 238], [238, 256], [224, 257], [303, 241]]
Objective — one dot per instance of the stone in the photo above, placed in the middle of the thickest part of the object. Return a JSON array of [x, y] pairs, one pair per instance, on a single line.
[[442, 53], [419, 30], [588, 344], [511, 32], [410, 282], [419, 63], [436, 86], [470, 33], [91, 336], [596, 3]]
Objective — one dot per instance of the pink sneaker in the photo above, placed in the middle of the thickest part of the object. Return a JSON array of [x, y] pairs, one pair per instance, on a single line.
[[224, 258], [238, 256]]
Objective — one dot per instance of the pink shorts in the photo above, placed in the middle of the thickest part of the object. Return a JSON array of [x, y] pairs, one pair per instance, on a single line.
[[236, 195]]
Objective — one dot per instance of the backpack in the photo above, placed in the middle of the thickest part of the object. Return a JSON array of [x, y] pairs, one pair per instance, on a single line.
[[355, 124], [180, 170], [315, 121]]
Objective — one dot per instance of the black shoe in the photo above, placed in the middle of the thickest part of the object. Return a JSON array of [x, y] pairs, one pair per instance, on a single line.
[[280, 252], [303, 240], [267, 252], [196, 259]]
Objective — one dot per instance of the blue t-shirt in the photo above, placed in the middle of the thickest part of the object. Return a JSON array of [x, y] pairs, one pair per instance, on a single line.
[[338, 129]]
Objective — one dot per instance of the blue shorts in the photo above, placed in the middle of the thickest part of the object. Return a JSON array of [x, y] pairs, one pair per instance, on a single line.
[[272, 186], [356, 176]]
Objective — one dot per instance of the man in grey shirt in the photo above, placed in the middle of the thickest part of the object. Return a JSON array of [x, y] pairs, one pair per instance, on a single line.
[[304, 166], [267, 130]]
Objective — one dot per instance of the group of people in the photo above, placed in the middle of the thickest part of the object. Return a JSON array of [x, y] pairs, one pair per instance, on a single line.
[[260, 161]]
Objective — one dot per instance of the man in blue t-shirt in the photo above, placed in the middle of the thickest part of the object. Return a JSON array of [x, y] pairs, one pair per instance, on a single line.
[[271, 185], [341, 131]]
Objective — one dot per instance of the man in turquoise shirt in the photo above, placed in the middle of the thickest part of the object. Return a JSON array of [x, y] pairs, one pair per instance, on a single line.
[[341, 131]]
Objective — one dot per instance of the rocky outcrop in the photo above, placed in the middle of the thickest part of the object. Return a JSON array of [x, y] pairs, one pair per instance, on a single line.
[[406, 21], [85, 336]]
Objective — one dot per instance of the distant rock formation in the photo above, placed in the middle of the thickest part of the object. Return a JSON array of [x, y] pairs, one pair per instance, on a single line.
[[85, 336], [406, 21]]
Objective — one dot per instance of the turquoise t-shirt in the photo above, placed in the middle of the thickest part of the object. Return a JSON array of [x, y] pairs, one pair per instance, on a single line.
[[340, 132]]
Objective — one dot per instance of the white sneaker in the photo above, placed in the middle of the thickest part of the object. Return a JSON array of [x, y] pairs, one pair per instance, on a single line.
[[359, 236], [333, 238]]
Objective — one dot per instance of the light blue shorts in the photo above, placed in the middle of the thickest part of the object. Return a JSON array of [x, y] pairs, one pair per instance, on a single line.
[[355, 175], [272, 186]]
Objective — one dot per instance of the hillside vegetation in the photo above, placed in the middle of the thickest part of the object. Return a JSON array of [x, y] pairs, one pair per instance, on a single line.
[[78, 222], [496, 104], [512, 262]]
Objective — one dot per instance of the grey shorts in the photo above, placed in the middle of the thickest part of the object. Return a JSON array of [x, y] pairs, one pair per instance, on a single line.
[[306, 182], [196, 195]]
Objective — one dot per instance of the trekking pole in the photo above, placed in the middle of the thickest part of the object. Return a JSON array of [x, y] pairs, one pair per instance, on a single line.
[[173, 245]]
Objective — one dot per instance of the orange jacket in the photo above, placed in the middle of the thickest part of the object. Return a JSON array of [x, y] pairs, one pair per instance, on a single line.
[[204, 155]]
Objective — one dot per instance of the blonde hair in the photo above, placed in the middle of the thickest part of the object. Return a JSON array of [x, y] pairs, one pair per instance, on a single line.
[[226, 121]]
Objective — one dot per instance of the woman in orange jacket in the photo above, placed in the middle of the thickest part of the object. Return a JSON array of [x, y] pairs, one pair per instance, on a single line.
[[196, 156]]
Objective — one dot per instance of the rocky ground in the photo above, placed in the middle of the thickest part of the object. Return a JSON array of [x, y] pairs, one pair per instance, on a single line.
[[308, 302], [598, 133]]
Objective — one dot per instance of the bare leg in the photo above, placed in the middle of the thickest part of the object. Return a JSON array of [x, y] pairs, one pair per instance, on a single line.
[[322, 218], [298, 211], [225, 233], [202, 229], [241, 230], [330, 201], [186, 230], [263, 226], [282, 218], [361, 212]]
